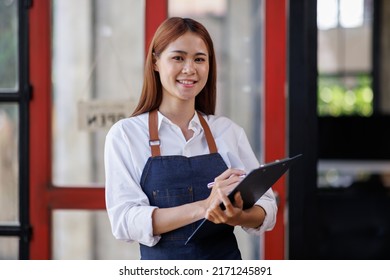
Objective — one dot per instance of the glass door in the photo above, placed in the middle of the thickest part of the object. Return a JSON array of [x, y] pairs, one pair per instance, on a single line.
[[14, 100], [87, 65]]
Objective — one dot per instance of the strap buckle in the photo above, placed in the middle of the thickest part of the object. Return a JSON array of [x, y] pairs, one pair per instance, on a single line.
[[154, 142]]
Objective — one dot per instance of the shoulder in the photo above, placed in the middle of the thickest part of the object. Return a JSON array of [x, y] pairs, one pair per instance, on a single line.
[[221, 125], [224, 128], [129, 126]]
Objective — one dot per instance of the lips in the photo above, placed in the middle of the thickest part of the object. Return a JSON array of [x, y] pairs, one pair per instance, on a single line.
[[186, 82]]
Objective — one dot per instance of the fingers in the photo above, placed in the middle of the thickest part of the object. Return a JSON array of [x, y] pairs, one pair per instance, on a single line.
[[228, 178], [231, 172], [226, 182], [216, 215], [230, 215], [238, 202], [225, 201], [229, 206]]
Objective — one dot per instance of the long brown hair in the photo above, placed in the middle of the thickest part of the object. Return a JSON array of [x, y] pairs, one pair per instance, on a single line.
[[167, 32]]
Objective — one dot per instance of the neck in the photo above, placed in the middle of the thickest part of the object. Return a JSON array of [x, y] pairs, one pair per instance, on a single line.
[[179, 114]]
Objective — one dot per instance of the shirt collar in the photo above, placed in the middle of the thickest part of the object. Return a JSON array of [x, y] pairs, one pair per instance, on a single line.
[[194, 123]]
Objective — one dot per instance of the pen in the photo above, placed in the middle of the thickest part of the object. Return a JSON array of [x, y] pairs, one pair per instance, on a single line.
[[211, 184]]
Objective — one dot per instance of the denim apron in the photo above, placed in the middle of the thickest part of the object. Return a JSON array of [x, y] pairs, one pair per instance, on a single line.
[[170, 181]]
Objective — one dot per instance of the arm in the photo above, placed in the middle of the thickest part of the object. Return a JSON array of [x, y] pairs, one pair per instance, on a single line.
[[168, 219], [128, 207]]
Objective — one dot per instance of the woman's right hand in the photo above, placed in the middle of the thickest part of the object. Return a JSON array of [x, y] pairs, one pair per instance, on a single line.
[[225, 182]]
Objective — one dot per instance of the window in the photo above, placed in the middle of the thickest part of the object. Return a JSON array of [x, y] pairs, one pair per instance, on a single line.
[[345, 58], [353, 94], [97, 66], [8, 46], [14, 221]]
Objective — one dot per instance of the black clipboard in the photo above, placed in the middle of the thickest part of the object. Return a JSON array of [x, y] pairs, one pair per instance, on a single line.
[[252, 187]]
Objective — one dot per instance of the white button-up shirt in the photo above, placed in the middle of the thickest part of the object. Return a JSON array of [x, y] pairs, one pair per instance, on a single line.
[[127, 151]]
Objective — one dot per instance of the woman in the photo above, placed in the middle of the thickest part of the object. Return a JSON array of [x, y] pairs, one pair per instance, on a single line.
[[159, 161]]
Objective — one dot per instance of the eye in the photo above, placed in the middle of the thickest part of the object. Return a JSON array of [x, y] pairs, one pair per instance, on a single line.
[[200, 59], [178, 58]]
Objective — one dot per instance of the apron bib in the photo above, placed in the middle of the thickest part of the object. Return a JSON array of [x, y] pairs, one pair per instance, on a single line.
[[170, 181]]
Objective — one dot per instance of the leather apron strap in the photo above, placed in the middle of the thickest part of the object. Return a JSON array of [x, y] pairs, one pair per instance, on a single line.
[[154, 141], [209, 137]]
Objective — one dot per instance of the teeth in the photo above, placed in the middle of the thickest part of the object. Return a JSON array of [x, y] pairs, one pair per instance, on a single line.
[[187, 82]]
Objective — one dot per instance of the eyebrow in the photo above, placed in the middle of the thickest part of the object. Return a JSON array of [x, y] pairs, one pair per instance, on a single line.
[[184, 52]]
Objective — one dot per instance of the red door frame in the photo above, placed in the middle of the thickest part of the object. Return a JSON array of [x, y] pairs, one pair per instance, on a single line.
[[44, 197], [275, 106]]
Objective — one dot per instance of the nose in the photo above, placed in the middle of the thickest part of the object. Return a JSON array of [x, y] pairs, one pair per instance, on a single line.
[[189, 67]]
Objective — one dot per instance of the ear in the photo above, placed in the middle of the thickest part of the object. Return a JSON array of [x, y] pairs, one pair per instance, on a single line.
[[155, 66]]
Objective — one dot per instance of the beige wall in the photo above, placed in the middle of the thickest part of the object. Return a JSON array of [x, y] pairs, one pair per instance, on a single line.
[[345, 49]]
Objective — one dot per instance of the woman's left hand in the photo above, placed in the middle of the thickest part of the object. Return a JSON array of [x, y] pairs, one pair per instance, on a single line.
[[232, 213]]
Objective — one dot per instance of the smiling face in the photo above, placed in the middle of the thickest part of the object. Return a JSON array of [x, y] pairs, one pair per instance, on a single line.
[[183, 68]]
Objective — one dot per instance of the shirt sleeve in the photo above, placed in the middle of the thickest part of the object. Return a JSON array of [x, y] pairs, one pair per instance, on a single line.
[[267, 201], [128, 207]]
